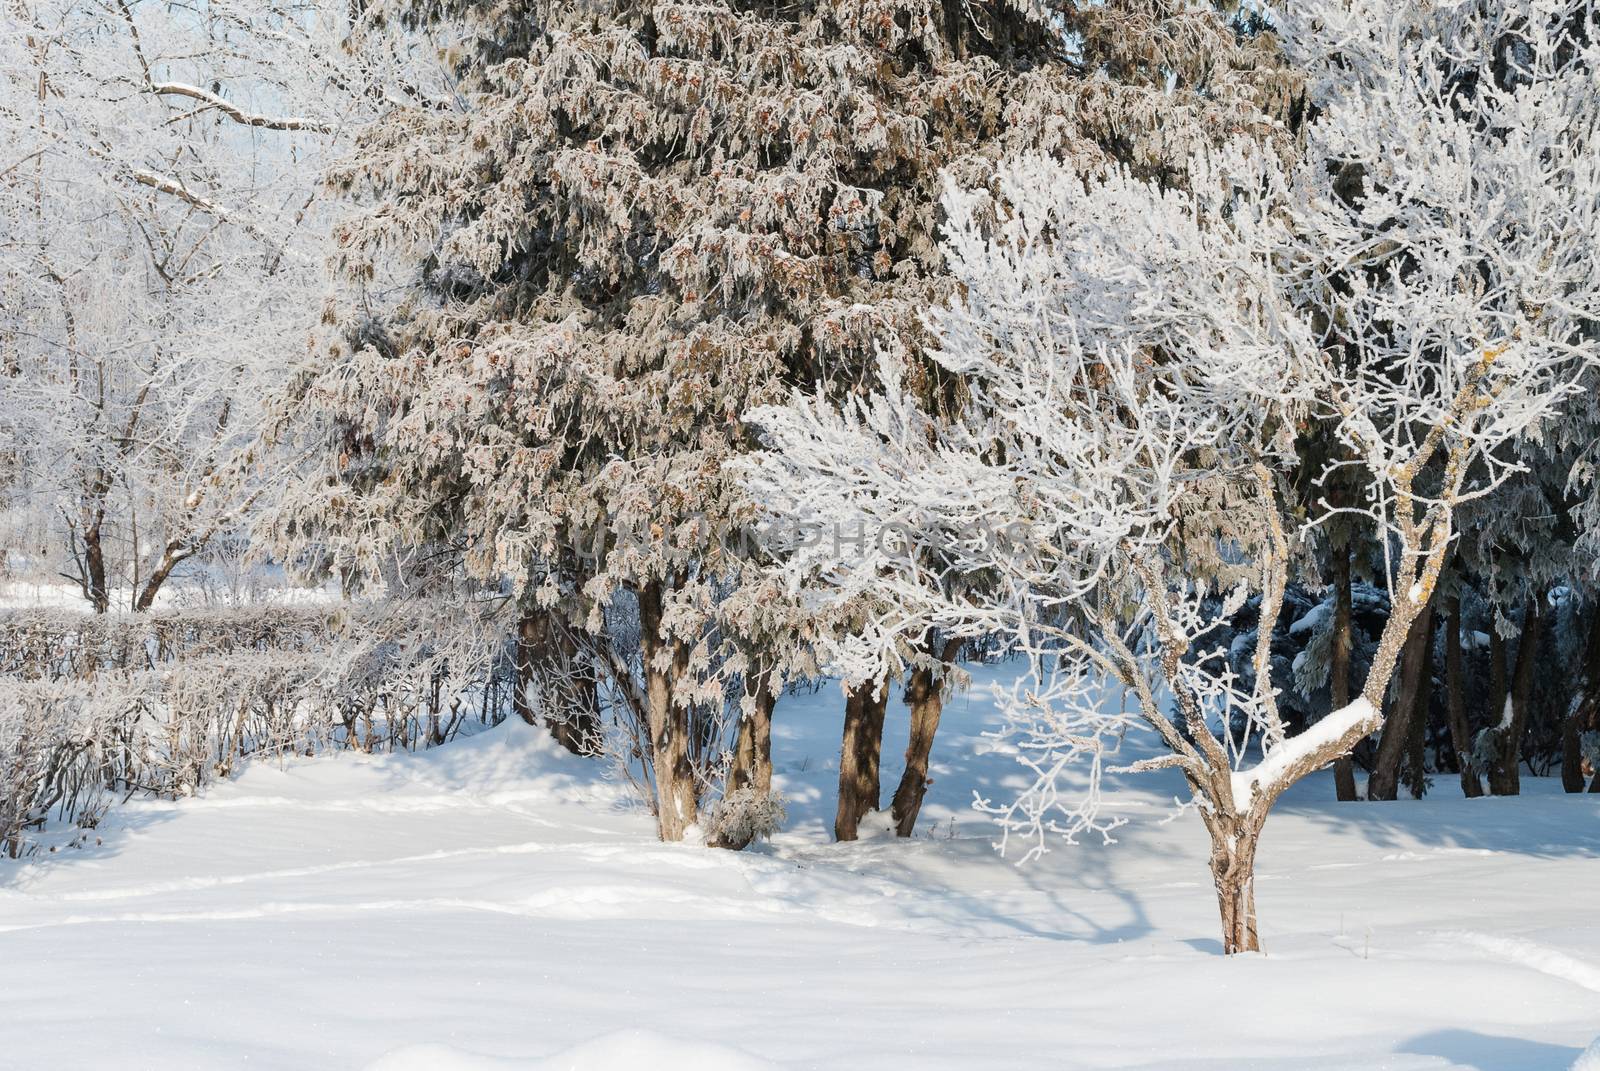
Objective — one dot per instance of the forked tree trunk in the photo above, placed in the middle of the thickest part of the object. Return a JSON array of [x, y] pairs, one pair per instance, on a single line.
[[1384, 783], [925, 697], [859, 755], [752, 753], [677, 801], [1505, 778], [1233, 872], [752, 750], [173, 556], [1344, 772], [1456, 700]]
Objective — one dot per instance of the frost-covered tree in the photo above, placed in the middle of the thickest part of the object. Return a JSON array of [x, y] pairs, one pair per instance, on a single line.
[[639, 220], [1137, 362], [160, 264]]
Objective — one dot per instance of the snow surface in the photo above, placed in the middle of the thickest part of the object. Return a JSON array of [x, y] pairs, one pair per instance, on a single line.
[[495, 905]]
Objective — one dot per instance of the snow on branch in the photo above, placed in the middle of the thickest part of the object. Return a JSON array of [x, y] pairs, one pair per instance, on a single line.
[[237, 114], [1294, 758], [173, 187]]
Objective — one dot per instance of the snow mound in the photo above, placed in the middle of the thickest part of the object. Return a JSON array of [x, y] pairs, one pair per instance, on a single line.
[[624, 1050], [1589, 1059], [512, 761]]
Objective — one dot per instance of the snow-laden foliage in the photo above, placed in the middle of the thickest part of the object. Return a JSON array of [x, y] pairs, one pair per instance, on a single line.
[[1137, 360]]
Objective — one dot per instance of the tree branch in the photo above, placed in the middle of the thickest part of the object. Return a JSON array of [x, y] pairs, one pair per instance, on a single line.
[[237, 114]]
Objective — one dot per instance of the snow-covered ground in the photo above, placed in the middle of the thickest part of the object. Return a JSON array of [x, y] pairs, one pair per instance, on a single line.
[[495, 904]]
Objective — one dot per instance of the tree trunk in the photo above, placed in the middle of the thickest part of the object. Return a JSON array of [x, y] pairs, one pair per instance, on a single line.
[[925, 697], [575, 722], [1505, 779], [1344, 771], [859, 753], [1233, 871], [1571, 754], [531, 628], [752, 751], [677, 802], [1456, 701], [553, 684], [173, 556], [1581, 713], [1499, 690], [94, 569], [1416, 765], [1384, 783]]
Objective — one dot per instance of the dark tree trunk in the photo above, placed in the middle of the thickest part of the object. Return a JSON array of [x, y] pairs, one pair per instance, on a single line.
[[1505, 779], [1416, 771], [530, 634], [677, 801], [1571, 754], [173, 556], [1344, 772], [925, 697], [94, 568], [1393, 744], [555, 685], [1498, 689], [1581, 713], [1456, 701], [859, 754]]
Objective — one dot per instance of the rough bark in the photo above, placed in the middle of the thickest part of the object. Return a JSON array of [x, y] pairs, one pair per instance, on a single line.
[[1344, 773], [859, 754], [1456, 700], [1505, 777], [1401, 723], [677, 802], [925, 697], [1233, 860]]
